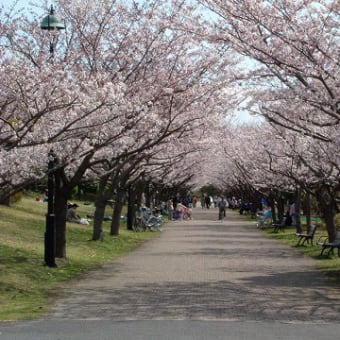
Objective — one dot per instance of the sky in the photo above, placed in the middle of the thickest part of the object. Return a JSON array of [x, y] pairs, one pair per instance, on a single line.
[[20, 4], [9, 3]]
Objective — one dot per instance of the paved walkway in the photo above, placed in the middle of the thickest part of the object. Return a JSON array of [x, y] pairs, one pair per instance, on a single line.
[[205, 269]]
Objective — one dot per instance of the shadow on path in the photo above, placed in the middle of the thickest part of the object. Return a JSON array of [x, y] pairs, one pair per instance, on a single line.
[[206, 270]]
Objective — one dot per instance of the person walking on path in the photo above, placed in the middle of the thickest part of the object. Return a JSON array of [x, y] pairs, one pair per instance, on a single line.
[[207, 201], [170, 209], [222, 203]]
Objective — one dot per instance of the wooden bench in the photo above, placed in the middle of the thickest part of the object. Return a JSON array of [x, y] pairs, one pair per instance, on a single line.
[[323, 241], [308, 237]]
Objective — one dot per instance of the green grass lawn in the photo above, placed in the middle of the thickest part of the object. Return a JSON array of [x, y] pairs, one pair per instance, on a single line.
[[27, 286]]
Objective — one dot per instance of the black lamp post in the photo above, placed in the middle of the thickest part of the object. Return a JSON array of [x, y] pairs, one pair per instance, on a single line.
[[53, 24], [50, 231]]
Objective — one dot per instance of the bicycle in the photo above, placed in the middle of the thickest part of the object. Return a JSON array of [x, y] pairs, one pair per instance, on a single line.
[[145, 221], [138, 224]]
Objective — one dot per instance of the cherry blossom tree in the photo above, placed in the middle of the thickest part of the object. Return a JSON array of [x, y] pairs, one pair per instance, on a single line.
[[292, 80], [276, 161], [294, 46], [121, 81], [134, 88]]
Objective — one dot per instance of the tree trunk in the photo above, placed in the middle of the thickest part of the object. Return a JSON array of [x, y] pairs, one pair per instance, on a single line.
[[6, 201], [329, 215], [307, 210], [60, 209], [280, 208], [115, 224], [99, 213], [131, 208], [98, 218], [328, 208], [139, 193], [271, 199], [256, 204], [60, 213], [63, 189], [147, 194], [297, 210]]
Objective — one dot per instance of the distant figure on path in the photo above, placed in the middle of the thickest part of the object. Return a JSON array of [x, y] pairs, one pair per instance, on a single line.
[[222, 204], [207, 202]]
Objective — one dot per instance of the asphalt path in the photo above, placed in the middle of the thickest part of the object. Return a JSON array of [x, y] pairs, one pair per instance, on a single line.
[[200, 279]]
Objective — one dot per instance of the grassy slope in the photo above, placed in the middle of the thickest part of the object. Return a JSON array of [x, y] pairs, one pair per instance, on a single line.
[[27, 287]]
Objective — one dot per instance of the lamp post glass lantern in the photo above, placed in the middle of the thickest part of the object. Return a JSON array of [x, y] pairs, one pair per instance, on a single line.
[[52, 24]]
